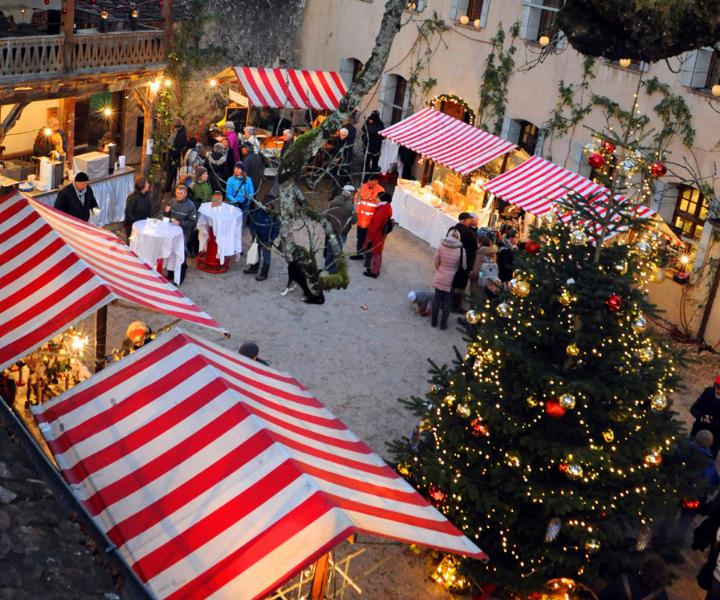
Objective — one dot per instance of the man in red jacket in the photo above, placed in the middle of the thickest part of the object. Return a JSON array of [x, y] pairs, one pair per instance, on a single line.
[[376, 234], [366, 201]]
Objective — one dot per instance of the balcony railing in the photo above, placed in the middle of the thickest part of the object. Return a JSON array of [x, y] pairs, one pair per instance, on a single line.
[[21, 58]]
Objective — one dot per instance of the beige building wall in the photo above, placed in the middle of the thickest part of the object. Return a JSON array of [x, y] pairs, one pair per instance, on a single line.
[[334, 30]]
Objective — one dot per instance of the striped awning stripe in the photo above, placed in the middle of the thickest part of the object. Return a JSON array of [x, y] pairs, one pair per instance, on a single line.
[[55, 270], [447, 141], [217, 476], [536, 184], [291, 88]]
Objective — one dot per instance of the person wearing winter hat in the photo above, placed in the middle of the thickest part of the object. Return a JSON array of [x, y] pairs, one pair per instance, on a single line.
[[421, 300], [239, 190], [706, 411], [77, 199], [219, 165], [200, 187], [340, 213], [252, 351], [253, 164]]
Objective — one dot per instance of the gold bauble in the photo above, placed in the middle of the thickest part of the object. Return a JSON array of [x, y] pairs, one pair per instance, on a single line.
[[472, 317], [503, 309], [578, 237], [463, 410], [658, 275], [572, 350], [621, 267], [574, 471], [653, 459], [566, 298], [608, 435], [512, 460], [592, 546], [659, 401], [532, 402], [645, 354], [450, 399], [567, 401], [519, 287], [403, 470]]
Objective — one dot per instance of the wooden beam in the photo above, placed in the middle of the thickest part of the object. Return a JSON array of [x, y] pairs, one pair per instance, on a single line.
[[167, 10], [320, 578], [145, 102], [100, 337], [68, 35], [68, 124]]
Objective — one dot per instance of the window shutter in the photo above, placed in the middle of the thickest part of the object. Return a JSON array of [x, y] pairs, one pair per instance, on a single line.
[[644, 67], [664, 200], [387, 93], [346, 70], [530, 24], [454, 10], [701, 69], [484, 12], [505, 130], [406, 101], [514, 132], [580, 164], [540, 143]]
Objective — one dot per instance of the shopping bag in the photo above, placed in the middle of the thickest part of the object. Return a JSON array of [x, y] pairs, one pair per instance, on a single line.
[[253, 255]]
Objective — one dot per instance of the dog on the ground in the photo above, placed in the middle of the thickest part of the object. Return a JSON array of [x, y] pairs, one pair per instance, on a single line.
[[296, 276]]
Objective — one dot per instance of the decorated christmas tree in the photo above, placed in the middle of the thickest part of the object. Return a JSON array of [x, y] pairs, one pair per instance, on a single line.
[[551, 442]]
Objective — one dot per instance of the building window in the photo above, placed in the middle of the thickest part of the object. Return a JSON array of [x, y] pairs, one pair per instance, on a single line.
[[528, 137], [475, 11], [691, 210], [539, 19], [701, 69], [394, 99], [349, 69]]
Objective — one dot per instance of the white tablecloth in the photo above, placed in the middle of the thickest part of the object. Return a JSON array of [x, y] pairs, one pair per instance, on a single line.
[[152, 239], [110, 194], [226, 221], [419, 217]]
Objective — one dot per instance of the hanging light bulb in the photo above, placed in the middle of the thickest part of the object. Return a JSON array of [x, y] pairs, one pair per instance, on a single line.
[[625, 62], [464, 20], [213, 83], [544, 40], [104, 15], [715, 90], [477, 23]]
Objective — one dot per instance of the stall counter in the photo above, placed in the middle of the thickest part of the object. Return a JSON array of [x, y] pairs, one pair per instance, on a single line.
[[421, 213]]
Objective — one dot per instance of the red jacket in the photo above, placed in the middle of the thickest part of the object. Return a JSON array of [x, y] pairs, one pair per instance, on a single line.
[[375, 239]]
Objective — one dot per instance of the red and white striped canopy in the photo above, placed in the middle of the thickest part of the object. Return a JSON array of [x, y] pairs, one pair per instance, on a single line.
[[291, 88], [536, 184], [447, 141], [217, 476], [55, 270]]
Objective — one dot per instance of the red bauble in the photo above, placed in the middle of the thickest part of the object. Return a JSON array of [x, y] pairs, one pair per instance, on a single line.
[[690, 503], [437, 494], [596, 160], [563, 467], [479, 427], [553, 409], [532, 247], [608, 147], [657, 169], [613, 302]]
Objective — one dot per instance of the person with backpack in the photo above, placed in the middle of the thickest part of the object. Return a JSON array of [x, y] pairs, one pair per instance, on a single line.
[[648, 584], [380, 226]]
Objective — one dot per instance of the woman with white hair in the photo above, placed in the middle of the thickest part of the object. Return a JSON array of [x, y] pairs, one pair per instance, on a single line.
[[233, 141], [250, 137]]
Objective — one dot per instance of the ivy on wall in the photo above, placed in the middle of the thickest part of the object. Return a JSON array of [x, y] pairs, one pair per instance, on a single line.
[[426, 44], [499, 67]]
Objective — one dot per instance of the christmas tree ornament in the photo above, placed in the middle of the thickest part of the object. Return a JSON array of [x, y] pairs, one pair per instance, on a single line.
[[592, 546], [608, 435], [512, 460], [450, 399], [613, 302], [643, 247], [572, 350], [554, 409], [463, 410], [532, 402], [590, 148], [448, 575], [563, 467], [479, 427], [643, 539], [608, 147], [564, 588], [566, 298], [532, 247], [567, 401], [628, 165], [553, 529], [403, 470], [435, 388], [519, 287], [595, 160], [658, 169], [659, 401], [570, 281], [639, 324], [503, 309], [436, 494], [472, 317], [658, 275], [621, 267], [578, 237], [690, 504], [645, 354], [653, 459], [619, 415], [574, 471]]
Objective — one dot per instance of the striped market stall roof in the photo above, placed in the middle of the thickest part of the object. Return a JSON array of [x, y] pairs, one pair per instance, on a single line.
[[291, 88], [55, 270], [447, 141], [217, 476]]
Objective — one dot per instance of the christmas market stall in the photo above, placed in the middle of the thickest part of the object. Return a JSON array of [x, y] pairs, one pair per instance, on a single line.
[[55, 271], [217, 476], [461, 157]]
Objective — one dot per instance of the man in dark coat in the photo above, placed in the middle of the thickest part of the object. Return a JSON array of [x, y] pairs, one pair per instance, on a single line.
[[372, 141], [706, 411], [340, 214], [219, 166], [77, 198], [469, 240], [253, 164], [177, 142]]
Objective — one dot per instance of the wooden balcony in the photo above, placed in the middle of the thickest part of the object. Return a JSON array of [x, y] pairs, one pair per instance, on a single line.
[[24, 59]]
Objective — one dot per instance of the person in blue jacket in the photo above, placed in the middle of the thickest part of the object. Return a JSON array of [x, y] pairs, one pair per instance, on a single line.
[[239, 190], [266, 227]]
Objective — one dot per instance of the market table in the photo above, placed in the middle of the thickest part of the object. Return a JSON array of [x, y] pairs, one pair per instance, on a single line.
[[110, 192], [220, 235], [159, 242], [413, 210]]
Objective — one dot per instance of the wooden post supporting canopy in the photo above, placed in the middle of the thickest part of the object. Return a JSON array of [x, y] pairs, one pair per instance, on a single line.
[[320, 578], [146, 104], [68, 124], [68, 35], [427, 171], [100, 338], [167, 9]]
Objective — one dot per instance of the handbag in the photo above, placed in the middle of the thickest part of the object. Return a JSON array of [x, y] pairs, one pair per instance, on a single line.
[[253, 255]]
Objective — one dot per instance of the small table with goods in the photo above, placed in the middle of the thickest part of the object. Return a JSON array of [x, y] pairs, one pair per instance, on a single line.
[[220, 235], [157, 242]]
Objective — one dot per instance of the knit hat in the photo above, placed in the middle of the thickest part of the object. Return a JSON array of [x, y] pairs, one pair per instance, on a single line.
[[704, 438], [348, 188], [240, 165], [248, 145], [218, 147], [464, 215], [200, 171], [412, 296], [249, 349], [81, 176]]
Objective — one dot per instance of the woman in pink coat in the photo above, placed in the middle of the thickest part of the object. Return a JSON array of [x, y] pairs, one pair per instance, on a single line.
[[448, 259]]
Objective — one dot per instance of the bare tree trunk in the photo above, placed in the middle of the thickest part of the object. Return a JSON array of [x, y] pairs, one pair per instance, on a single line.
[[292, 202]]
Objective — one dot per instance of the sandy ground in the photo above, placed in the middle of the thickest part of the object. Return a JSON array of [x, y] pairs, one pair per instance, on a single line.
[[358, 353]]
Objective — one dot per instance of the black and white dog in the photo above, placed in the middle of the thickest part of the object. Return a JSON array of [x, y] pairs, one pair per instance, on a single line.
[[296, 276]]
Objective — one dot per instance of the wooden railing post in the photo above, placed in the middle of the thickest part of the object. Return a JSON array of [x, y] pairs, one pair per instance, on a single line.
[[68, 35]]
